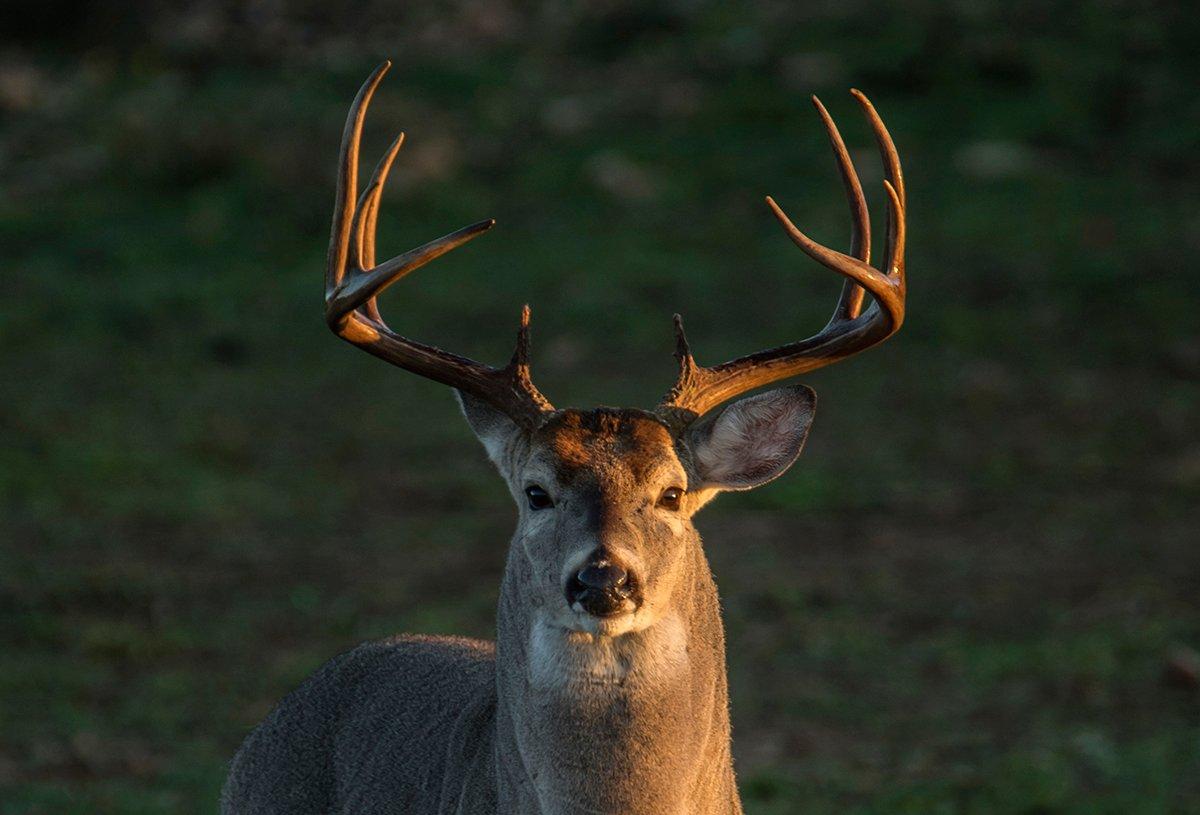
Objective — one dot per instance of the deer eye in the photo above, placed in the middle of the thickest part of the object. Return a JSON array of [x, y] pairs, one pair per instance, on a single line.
[[538, 497], [670, 498]]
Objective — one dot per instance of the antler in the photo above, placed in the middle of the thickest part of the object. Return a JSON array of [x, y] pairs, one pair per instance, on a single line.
[[850, 330], [353, 282]]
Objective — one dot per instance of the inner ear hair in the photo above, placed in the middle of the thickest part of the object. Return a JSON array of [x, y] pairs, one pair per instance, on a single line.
[[753, 440]]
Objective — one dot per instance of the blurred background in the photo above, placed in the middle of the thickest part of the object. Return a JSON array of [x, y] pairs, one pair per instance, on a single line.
[[977, 591]]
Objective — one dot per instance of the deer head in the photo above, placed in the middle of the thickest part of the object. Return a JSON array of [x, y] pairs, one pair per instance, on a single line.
[[606, 496]]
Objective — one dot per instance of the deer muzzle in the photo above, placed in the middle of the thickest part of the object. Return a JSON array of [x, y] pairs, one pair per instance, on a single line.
[[602, 588]]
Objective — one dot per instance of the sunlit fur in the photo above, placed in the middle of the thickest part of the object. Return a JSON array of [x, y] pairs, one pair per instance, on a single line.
[[569, 713]]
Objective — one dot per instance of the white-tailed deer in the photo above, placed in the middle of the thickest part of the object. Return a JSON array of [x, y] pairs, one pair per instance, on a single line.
[[605, 691]]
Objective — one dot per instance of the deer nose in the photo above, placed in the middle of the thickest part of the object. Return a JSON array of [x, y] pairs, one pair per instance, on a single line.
[[602, 576], [601, 588]]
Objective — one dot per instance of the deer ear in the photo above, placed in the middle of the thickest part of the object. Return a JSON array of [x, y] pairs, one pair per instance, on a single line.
[[498, 433], [753, 440]]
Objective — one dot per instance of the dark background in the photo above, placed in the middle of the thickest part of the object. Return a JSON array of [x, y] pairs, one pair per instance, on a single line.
[[977, 591]]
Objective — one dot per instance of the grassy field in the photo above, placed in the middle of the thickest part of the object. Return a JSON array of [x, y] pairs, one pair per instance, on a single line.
[[977, 592]]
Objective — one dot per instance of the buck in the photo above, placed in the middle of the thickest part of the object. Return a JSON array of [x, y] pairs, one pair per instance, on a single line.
[[605, 690]]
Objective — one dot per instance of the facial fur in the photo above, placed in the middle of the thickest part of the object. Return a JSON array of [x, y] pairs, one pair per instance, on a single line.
[[602, 478], [605, 472]]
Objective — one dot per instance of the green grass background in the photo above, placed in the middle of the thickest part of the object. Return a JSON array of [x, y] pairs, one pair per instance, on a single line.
[[977, 591]]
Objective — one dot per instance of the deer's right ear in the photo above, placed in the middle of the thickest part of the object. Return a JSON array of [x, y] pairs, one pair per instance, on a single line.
[[753, 440], [498, 433]]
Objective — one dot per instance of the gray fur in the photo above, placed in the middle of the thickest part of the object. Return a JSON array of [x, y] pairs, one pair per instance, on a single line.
[[567, 714]]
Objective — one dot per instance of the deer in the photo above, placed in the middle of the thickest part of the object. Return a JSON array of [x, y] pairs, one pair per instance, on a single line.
[[605, 690]]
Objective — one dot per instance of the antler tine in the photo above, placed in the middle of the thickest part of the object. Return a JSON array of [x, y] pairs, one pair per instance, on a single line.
[[344, 205], [897, 197], [891, 157], [850, 302], [353, 281], [367, 215], [699, 389]]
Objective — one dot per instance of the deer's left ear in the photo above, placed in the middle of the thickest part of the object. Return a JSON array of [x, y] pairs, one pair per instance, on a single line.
[[753, 440]]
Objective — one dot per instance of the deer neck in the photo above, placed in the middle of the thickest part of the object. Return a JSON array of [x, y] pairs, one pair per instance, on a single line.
[[636, 724]]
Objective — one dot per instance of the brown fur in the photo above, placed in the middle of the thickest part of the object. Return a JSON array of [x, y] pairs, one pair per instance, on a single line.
[[584, 440], [571, 714]]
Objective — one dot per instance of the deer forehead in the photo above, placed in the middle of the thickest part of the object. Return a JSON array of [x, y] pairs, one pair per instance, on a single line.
[[606, 446]]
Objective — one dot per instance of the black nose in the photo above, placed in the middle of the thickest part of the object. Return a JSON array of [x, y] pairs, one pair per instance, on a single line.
[[602, 576], [601, 587]]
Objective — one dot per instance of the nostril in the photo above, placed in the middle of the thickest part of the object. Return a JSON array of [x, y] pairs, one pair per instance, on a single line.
[[602, 588], [602, 576]]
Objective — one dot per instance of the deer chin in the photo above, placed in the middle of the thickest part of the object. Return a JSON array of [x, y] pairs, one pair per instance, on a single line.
[[567, 658], [579, 627]]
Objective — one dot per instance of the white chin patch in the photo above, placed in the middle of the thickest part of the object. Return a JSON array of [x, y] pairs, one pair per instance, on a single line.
[[605, 651]]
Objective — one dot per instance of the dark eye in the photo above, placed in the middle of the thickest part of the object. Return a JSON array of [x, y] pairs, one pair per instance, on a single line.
[[671, 497], [538, 498]]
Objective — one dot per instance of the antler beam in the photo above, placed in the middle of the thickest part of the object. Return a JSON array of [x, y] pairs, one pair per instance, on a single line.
[[353, 282], [850, 330]]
